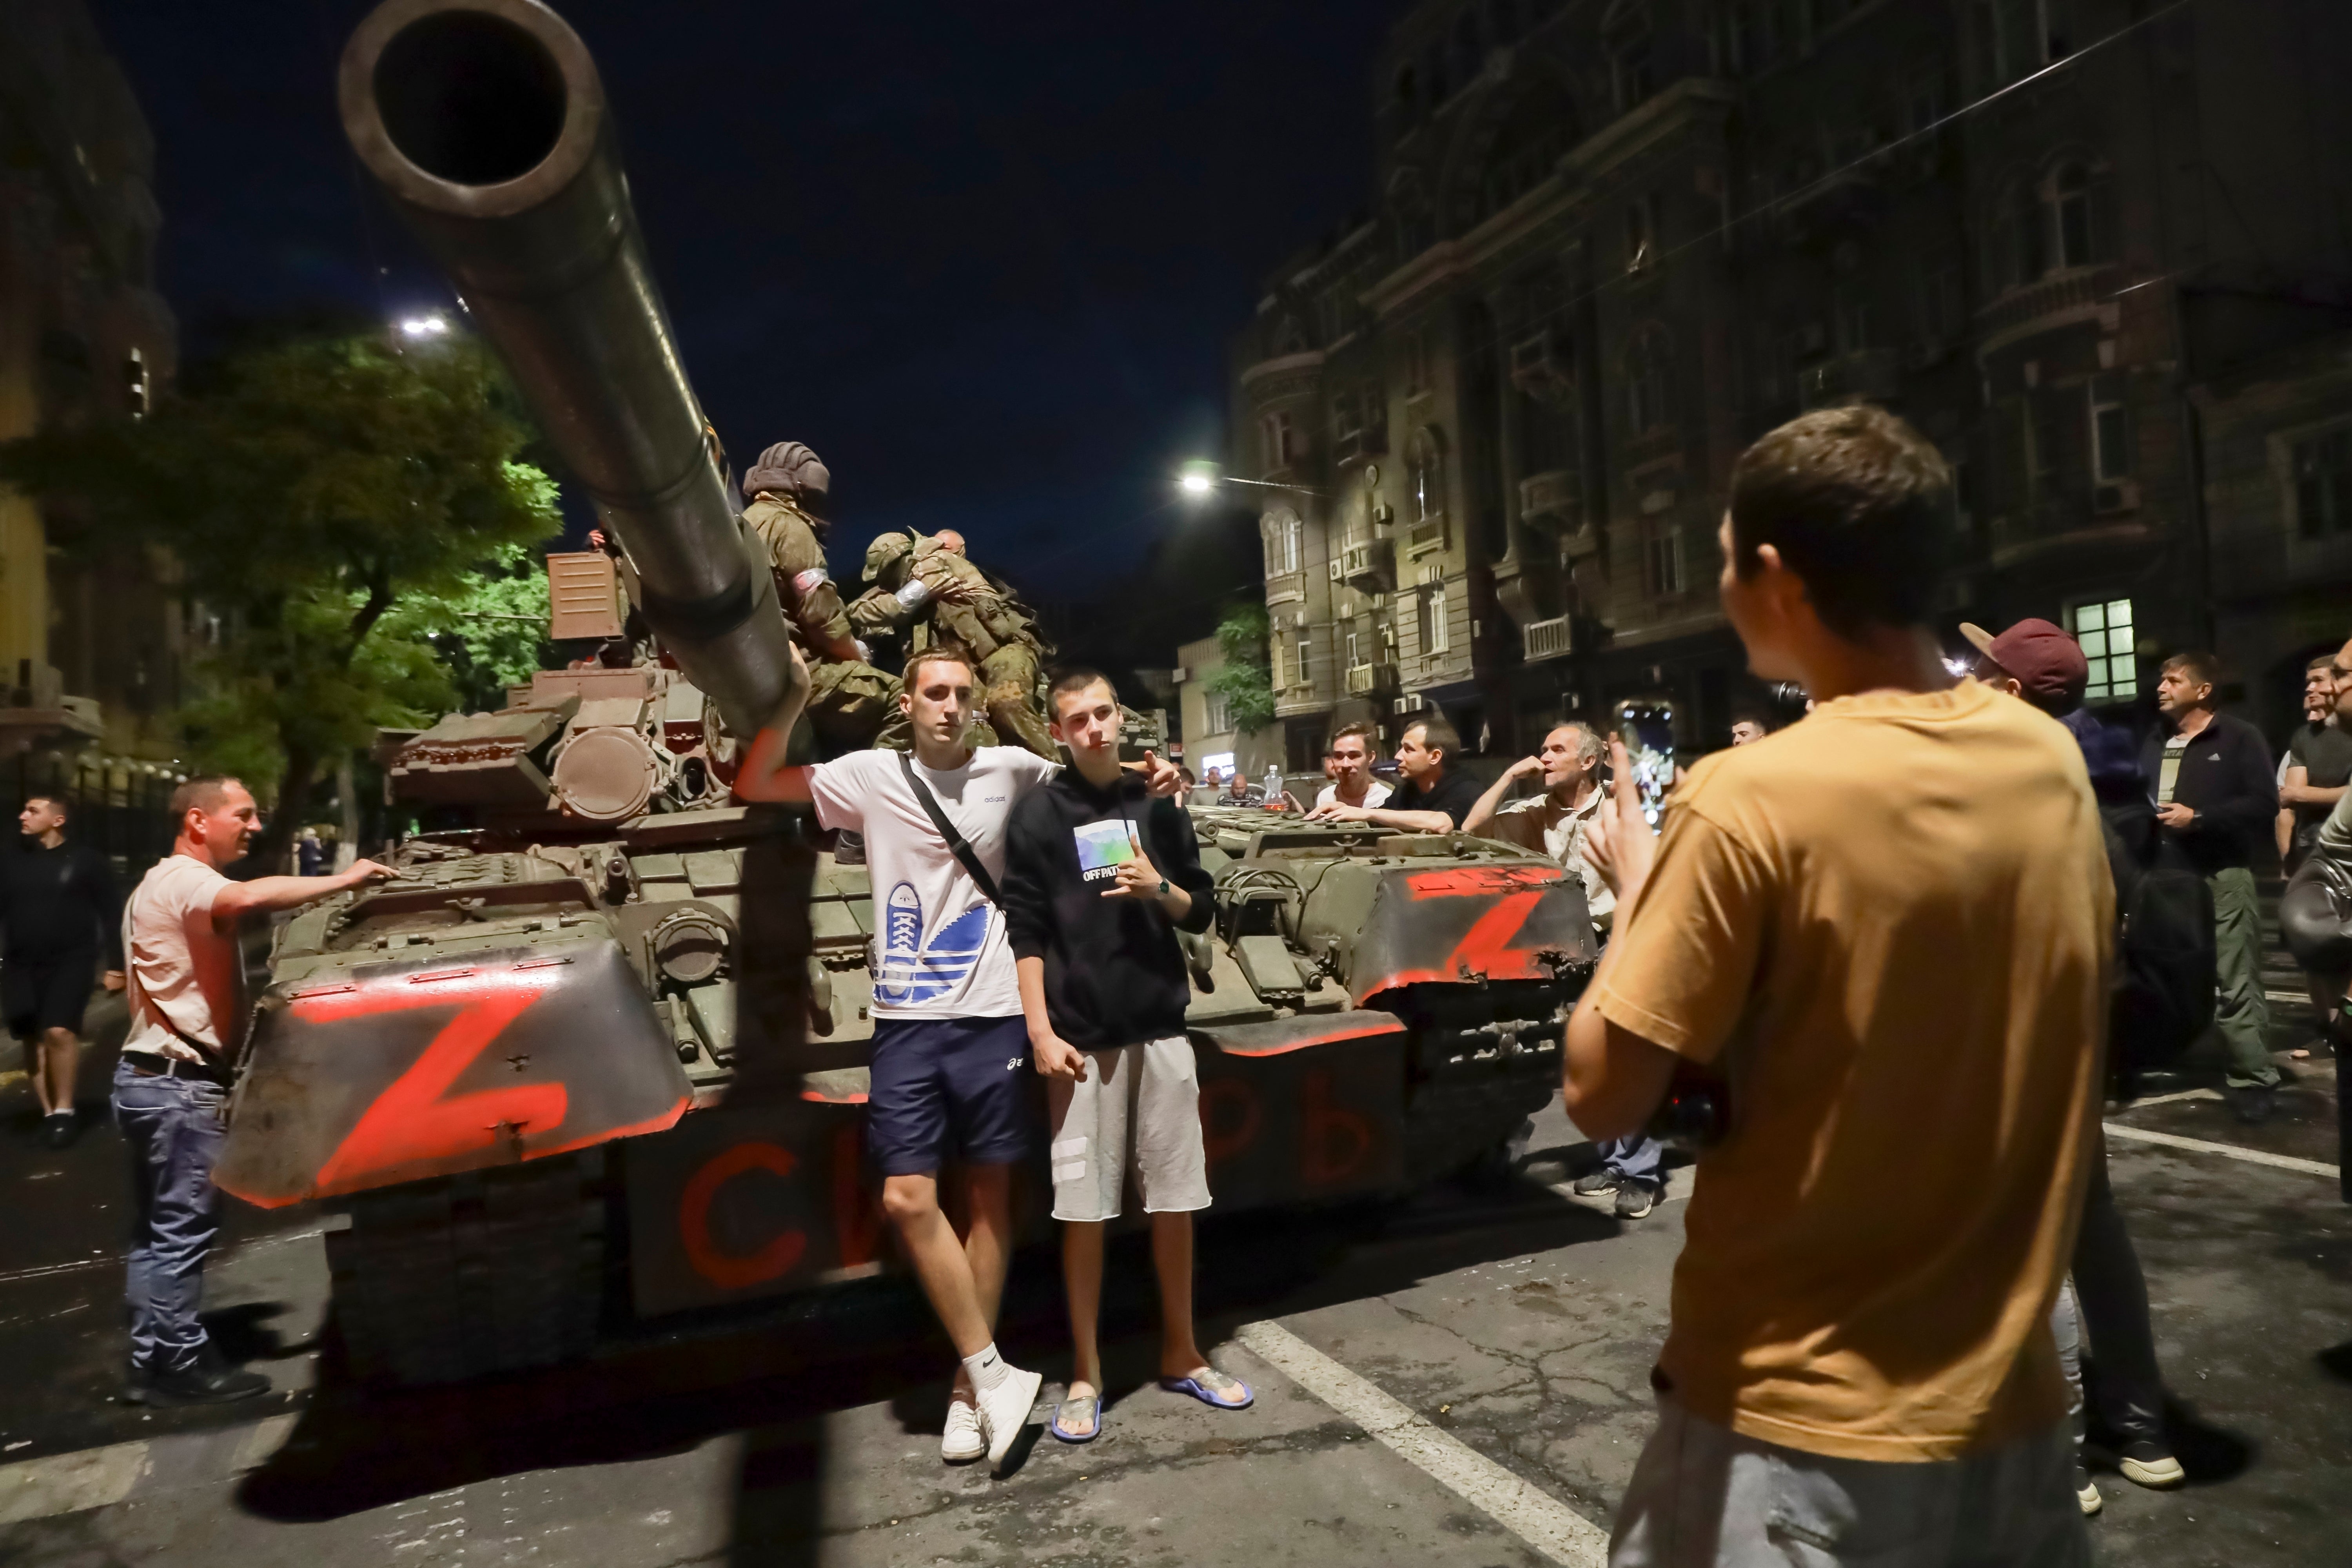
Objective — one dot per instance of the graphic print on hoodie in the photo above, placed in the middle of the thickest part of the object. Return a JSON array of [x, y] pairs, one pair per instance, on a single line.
[[913, 969]]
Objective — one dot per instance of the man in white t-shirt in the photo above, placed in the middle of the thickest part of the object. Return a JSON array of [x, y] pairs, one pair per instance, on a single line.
[[171, 1087], [1350, 762], [950, 1062]]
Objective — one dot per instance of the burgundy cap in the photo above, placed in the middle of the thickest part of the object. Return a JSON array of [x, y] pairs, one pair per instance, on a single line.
[[2043, 658]]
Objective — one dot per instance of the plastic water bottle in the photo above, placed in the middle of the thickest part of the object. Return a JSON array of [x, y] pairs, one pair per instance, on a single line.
[[1273, 786]]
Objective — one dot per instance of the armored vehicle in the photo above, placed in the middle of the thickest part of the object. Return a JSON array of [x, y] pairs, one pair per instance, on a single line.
[[597, 1057]]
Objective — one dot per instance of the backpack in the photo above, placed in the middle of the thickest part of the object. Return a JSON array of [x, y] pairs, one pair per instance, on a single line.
[[2163, 994]]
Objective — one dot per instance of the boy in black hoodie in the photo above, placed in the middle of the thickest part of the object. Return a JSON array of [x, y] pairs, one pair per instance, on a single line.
[[1099, 879]]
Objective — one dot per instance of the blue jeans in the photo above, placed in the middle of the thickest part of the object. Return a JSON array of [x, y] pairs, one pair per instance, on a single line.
[[173, 1127], [1633, 1159]]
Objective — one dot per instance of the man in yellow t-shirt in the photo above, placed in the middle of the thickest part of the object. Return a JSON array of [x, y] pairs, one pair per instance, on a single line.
[[1886, 929]]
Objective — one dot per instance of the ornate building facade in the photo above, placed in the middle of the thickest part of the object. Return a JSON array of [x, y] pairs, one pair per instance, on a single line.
[[1615, 240]]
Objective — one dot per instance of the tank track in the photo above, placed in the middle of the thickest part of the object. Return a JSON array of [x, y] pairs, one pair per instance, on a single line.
[[492, 1271]]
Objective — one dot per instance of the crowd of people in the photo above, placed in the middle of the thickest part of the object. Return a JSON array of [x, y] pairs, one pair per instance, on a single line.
[[1876, 1333]]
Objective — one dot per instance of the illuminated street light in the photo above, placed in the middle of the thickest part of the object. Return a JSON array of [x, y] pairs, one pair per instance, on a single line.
[[1199, 477], [433, 324]]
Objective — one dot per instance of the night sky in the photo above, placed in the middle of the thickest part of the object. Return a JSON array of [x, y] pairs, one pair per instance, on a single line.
[[984, 259]]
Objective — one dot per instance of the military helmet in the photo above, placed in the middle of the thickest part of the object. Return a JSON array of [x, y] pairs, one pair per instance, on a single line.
[[887, 551], [788, 469]]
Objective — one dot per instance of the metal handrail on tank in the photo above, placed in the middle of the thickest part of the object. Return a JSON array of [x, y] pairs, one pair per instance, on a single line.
[[485, 125]]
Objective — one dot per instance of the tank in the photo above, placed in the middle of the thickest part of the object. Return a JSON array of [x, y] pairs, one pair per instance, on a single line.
[[595, 1063]]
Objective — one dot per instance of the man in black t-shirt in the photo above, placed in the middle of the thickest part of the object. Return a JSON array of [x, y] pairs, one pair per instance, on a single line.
[[1434, 795], [59, 908], [2318, 759]]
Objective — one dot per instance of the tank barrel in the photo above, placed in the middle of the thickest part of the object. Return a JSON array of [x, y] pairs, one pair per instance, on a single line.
[[485, 125]]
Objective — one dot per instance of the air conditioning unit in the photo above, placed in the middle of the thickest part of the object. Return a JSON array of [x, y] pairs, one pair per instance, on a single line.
[[1366, 679], [1548, 640], [1337, 576], [1409, 703], [2121, 495]]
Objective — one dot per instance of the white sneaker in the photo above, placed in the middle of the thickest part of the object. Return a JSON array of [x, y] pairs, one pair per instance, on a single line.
[[961, 1443], [1004, 1410]]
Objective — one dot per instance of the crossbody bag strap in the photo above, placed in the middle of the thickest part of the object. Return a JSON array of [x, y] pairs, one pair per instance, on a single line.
[[957, 846]]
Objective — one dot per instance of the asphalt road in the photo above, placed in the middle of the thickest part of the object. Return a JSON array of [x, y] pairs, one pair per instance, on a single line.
[[1462, 1379]]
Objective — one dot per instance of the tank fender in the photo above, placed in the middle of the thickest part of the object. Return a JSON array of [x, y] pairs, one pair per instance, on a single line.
[[1497, 921], [390, 1072]]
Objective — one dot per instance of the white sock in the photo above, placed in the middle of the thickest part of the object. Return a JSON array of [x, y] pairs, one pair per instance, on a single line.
[[987, 1368]]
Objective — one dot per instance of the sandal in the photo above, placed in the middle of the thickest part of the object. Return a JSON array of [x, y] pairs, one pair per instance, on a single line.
[[1211, 1387], [1088, 1405]]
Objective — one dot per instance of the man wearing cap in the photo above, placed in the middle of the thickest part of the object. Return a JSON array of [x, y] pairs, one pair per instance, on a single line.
[[790, 491], [924, 584], [2038, 662]]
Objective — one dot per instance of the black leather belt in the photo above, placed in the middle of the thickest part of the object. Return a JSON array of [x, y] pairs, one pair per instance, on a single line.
[[146, 1063]]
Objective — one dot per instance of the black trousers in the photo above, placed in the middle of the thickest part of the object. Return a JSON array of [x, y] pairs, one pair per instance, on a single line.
[[2126, 1390]]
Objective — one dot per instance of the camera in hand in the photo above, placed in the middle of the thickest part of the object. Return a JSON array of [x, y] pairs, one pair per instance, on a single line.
[[1695, 1113]]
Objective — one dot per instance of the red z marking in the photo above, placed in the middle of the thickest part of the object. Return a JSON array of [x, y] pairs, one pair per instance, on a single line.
[[411, 1123], [1490, 939]]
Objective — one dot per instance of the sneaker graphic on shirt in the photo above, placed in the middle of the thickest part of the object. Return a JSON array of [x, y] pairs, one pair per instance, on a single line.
[[915, 971]]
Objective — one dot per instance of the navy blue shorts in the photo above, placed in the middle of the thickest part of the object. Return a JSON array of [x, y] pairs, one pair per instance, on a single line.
[[938, 1077]]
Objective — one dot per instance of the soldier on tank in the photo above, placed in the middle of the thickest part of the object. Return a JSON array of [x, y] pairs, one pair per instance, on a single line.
[[849, 700], [925, 588]]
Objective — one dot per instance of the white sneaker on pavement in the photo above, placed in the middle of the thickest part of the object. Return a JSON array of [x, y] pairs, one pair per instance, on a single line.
[[1004, 1410], [961, 1443]]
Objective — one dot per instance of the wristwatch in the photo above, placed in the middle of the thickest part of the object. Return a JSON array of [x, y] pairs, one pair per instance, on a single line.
[[1163, 887]]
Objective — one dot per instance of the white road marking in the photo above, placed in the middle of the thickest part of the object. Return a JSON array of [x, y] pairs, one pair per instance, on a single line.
[[110, 1260], [2168, 1098], [1556, 1531], [100, 1477], [2200, 1146]]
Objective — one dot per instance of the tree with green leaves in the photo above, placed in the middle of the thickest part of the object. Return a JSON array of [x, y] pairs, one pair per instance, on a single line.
[[1244, 680], [337, 504]]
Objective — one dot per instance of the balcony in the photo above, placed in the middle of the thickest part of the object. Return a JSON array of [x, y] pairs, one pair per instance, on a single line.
[[1550, 498], [1356, 445], [1369, 565], [1554, 638], [1427, 534], [1866, 376], [2052, 302], [35, 712], [1363, 679]]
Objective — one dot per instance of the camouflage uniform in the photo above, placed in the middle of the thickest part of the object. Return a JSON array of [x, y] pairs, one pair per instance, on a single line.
[[933, 594], [849, 700]]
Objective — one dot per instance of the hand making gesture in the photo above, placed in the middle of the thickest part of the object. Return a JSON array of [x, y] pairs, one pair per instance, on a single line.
[[1623, 845]]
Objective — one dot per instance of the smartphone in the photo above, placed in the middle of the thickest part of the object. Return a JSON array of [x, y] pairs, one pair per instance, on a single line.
[[1647, 723]]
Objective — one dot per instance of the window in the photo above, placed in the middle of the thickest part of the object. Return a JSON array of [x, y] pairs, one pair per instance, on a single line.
[[1632, 72], [1854, 324], [2019, 249], [2103, 627], [1645, 382], [1281, 441], [2110, 430], [1640, 234], [1663, 555], [2323, 485], [2070, 196], [1426, 474], [1943, 306], [1429, 613], [1302, 673], [1274, 675], [1352, 659], [1281, 528], [1216, 713]]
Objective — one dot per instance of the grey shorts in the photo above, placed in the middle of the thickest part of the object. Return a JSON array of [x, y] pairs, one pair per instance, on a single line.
[[1703, 1496], [1138, 1108]]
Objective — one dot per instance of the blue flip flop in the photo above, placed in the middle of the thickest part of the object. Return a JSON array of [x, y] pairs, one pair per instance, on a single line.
[[1093, 1402], [1208, 1395]]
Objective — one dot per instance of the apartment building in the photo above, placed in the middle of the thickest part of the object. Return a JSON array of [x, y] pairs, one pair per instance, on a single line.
[[2088, 246]]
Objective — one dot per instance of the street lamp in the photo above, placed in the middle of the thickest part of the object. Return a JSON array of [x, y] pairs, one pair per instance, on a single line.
[[1199, 477], [432, 325]]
